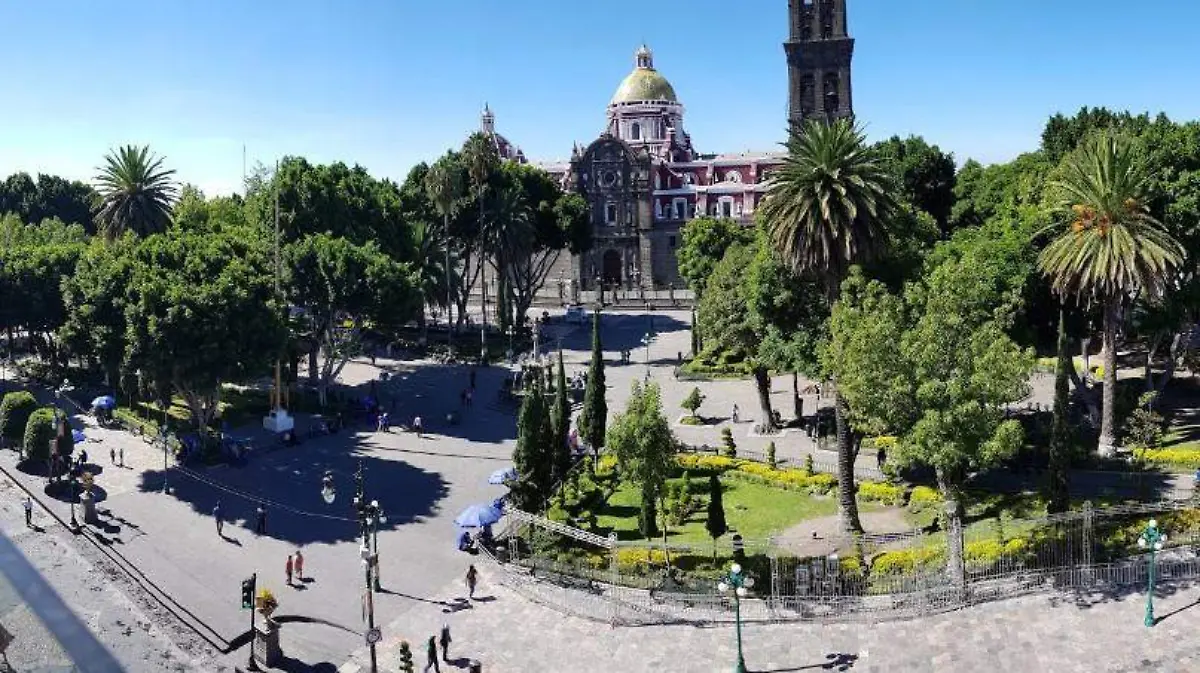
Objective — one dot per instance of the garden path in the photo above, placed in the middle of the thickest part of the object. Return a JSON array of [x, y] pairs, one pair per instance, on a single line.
[[821, 536]]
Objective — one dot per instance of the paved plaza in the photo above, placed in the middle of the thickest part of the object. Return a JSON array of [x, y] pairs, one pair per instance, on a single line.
[[1064, 634], [422, 484]]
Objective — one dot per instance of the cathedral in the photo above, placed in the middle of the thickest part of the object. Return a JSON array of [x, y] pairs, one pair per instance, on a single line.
[[644, 179]]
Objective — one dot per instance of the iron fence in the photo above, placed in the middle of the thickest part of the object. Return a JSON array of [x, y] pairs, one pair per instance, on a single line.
[[872, 577]]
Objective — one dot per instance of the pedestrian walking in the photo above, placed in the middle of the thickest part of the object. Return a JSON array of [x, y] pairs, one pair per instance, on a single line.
[[735, 413], [299, 566], [387, 422], [288, 569], [431, 658], [28, 505], [379, 423], [470, 396], [445, 642], [260, 524], [472, 580], [218, 518], [121, 455], [880, 457], [417, 425], [83, 457], [112, 455]]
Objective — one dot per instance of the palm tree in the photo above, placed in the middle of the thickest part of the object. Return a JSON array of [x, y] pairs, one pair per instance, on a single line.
[[443, 186], [433, 273], [137, 193], [482, 159], [1112, 248], [827, 210], [512, 237]]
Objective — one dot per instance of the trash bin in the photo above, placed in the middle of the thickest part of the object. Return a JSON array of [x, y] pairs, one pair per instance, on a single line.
[[475, 667]]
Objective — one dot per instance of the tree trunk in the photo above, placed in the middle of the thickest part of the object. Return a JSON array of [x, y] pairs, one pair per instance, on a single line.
[[422, 321], [955, 567], [1107, 444], [313, 375], [1060, 431], [762, 382], [1148, 366], [847, 491], [797, 401], [1172, 361]]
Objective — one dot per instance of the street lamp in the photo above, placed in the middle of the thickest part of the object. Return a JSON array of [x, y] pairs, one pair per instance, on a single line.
[[740, 584], [646, 340], [369, 559], [510, 342], [1153, 539]]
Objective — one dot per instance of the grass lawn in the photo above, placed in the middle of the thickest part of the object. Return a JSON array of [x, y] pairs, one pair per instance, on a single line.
[[754, 510]]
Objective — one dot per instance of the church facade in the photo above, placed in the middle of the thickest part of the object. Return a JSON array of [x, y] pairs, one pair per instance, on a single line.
[[643, 179]]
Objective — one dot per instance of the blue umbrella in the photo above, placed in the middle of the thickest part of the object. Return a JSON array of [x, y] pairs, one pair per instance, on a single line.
[[104, 402], [477, 516], [501, 476], [78, 436], [498, 503]]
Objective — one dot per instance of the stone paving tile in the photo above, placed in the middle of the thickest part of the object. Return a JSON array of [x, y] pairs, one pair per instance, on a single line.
[[1040, 633]]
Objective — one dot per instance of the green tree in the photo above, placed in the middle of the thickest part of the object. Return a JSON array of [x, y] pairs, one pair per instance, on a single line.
[[531, 456], [560, 423], [936, 369], [482, 162], [31, 277], [200, 310], [728, 446], [94, 299], [642, 441], [39, 432], [924, 173], [827, 210], [1060, 429], [1144, 429], [1111, 247], [693, 401], [715, 523], [136, 193], [49, 197], [594, 415], [15, 409], [704, 241], [343, 287], [444, 187]]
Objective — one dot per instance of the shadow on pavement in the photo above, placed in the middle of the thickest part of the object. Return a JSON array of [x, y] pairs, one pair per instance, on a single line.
[[287, 483], [837, 661]]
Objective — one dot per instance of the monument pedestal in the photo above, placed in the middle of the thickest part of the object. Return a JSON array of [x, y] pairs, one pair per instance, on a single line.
[[266, 642], [89, 507], [278, 421]]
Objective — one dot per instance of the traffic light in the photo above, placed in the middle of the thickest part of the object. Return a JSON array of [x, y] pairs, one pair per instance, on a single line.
[[248, 592]]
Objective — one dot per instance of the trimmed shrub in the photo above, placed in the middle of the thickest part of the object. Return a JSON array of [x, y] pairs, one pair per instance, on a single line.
[[39, 431], [15, 410], [923, 497], [728, 446], [809, 469], [771, 455], [889, 494]]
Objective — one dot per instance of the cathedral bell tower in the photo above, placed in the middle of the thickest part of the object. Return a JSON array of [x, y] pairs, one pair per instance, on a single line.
[[819, 50]]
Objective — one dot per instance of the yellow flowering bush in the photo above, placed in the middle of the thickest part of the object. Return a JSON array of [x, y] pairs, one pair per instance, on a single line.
[[1177, 457], [905, 561], [639, 558], [889, 494], [885, 442]]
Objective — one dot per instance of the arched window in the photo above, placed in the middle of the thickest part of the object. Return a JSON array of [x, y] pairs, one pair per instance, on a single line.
[[689, 179], [733, 176], [635, 131]]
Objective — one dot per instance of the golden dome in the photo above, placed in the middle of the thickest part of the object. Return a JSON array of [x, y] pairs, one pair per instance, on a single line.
[[644, 83]]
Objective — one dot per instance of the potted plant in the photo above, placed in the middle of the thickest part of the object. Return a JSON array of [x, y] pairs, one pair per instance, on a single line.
[[265, 602]]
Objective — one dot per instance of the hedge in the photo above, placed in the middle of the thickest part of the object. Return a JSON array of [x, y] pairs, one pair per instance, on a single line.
[[979, 553], [789, 478], [1177, 457], [39, 430], [15, 410]]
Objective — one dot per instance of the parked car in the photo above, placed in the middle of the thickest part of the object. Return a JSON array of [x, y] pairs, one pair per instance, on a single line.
[[576, 314]]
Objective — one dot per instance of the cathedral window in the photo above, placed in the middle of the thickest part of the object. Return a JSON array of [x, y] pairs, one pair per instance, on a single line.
[[725, 207], [831, 92], [807, 94], [679, 206], [671, 241], [733, 176], [610, 214], [635, 131], [826, 21]]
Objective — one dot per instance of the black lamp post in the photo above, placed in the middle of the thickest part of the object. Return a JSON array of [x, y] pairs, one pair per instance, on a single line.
[[369, 516]]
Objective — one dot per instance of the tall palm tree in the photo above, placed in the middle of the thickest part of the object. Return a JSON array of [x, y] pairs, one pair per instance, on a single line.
[[444, 188], [1111, 248], [482, 159], [433, 269], [136, 192], [827, 210]]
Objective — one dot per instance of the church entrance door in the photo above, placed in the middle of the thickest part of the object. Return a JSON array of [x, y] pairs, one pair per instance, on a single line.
[[612, 268]]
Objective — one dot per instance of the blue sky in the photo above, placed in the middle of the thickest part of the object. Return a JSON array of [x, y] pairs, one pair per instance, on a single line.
[[388, 83]]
